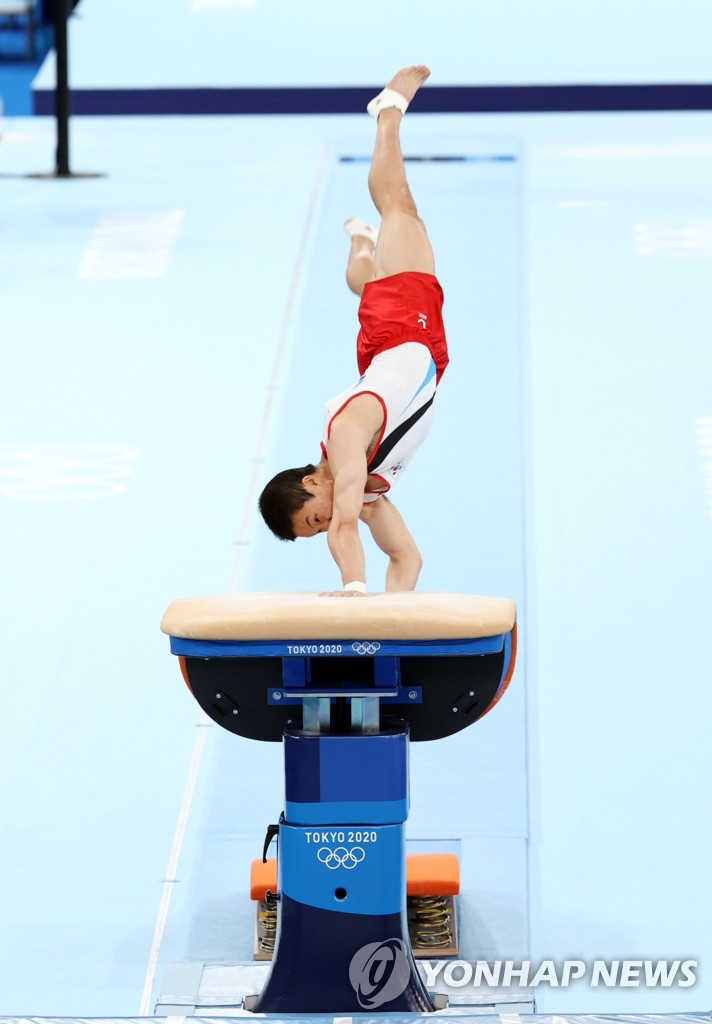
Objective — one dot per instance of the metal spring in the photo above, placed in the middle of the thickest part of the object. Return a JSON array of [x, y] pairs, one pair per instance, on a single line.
[[429, 921], [268, 927]]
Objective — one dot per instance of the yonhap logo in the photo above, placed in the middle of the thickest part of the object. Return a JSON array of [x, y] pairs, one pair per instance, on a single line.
[[379, 972]]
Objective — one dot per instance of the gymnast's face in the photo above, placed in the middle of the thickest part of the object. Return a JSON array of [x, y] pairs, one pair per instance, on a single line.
[[315, 514]]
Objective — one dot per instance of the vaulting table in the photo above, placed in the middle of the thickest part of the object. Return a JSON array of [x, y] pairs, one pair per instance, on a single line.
[[344, 684]]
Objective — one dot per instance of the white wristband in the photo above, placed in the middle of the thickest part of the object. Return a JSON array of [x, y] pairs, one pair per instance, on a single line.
[[356, 585]]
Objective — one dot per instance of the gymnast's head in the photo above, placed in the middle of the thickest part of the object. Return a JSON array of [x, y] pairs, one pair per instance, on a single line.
[[298, 502]]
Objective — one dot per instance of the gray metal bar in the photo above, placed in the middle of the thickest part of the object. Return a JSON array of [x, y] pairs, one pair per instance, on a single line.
[[365, 714], [317, 714]]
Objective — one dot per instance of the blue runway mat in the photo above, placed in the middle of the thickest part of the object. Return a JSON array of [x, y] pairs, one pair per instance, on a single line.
[[480, 195]]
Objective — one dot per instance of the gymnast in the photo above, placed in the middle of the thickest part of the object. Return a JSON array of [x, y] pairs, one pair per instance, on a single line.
[[372, 430]]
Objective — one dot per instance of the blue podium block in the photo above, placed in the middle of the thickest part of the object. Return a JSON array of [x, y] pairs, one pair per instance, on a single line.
[[346, 778]]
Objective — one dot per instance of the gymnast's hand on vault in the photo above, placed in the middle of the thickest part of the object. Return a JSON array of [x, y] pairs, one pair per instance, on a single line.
[[342, 593]]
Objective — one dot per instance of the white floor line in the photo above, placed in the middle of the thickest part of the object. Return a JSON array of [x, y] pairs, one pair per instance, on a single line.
[[172, 869]]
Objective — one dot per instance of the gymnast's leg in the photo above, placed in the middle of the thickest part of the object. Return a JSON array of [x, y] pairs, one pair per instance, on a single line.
[[361, 262], [403, 242]]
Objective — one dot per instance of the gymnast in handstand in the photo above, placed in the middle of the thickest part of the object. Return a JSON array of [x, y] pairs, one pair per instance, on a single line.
[[373, 429]]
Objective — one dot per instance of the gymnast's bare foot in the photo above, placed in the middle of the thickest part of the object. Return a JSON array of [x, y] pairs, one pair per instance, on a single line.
[[407, 81]]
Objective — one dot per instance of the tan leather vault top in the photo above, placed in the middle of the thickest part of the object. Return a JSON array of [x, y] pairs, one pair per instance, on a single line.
[[270, 615]]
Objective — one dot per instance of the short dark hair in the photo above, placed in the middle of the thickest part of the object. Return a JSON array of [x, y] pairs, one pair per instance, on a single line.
[[284, 495]]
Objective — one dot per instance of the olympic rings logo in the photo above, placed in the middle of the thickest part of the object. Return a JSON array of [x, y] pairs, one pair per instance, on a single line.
[[341, 857], [70, 472], [366, 647]]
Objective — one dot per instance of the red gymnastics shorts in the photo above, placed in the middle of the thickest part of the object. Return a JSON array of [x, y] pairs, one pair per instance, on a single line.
[[404, 307]]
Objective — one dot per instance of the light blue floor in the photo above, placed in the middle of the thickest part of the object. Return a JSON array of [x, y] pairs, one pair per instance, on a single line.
[[159, 314]]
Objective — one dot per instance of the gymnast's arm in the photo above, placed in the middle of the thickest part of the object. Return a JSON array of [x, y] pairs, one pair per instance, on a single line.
[[352, 431], [391, 535], [348, 465]]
